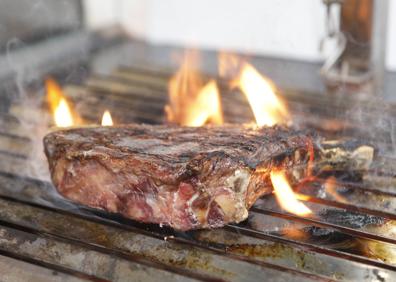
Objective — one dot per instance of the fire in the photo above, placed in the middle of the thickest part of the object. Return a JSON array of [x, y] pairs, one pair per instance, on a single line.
[[62, 115], [267, 108], [206, 107], [229, 65], [58, 104], [191, 102], [285, 195], [54, 94], [106, 119]]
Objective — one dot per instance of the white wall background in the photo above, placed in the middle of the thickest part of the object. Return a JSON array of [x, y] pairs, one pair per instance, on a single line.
[[99, 13], [391, 47], [285, 28]]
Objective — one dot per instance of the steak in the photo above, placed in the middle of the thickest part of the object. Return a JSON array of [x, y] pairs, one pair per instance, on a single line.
[[183, 177]]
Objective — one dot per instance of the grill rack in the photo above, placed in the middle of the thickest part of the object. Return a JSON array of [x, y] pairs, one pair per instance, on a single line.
[[41, 228]]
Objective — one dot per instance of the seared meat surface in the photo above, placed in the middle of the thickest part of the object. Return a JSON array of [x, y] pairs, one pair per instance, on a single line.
[[183, 177]]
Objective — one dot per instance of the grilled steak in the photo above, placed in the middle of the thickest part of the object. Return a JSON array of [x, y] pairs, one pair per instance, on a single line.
[[183, 177]]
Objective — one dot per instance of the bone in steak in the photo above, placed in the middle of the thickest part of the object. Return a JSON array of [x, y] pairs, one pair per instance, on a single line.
[[183, 177]]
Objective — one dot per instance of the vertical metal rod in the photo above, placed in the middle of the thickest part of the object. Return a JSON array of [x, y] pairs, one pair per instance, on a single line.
[[378, 44]]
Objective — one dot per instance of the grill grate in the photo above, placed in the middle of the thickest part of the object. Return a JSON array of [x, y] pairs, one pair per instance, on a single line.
[[351, 239]]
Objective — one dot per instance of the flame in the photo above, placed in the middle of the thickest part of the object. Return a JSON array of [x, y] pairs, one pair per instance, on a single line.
[[267, 108], [205, 108], [191, 102], [54, 94], [62, 115], [285, 195], [230, 65], [59, 105], [330, 186], [106, 119]]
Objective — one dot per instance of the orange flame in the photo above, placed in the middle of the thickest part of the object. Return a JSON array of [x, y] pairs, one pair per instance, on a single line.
[[229, 65], [62, 115], [285, 195], [58, 104], [54, 94], [106, 119], [330, 186], [191, 102], [267, 108]]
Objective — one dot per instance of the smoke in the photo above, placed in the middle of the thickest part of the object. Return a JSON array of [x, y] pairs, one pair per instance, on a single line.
[[33, 121], [15, 65], [374, 119]]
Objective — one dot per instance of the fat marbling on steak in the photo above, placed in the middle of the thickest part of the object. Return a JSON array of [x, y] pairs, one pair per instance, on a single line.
[[183, 177]]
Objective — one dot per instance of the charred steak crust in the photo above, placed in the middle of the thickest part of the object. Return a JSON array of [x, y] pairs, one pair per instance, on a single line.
[[183, 177]]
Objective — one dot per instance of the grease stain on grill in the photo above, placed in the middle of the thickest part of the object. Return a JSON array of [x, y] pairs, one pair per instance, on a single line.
[[194, 260], [268, 252], [280, 251], [350, 219], [333, 239]]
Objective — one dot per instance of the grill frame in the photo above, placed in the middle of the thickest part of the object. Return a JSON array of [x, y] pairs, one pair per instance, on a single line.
[[38, 194]]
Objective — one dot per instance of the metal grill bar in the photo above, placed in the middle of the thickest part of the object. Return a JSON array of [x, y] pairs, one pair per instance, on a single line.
[[309, 246], [28, 244], [119, 243], [46, 265], [357, 208], [356, 196], [237, 229], [304, 239], [27, 269], [354, 232], [100, 253], [128, 228], [144, 75], [261, 246]]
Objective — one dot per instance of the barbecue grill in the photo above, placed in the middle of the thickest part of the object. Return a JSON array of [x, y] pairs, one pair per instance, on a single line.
[[44, 237]]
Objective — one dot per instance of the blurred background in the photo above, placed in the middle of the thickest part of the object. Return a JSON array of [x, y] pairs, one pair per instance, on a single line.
[[312, 45], [281, 28]]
